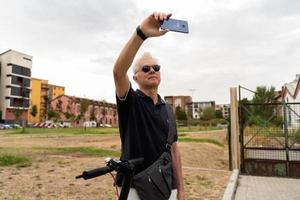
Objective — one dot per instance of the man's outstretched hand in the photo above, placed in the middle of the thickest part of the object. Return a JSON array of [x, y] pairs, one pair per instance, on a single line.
[[151, 25]]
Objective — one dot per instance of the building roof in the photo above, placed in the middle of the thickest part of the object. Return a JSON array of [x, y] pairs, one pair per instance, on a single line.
[[202, 102], [11, 50], [293, 87]]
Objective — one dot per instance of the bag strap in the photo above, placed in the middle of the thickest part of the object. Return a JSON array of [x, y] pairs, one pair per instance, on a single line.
[[172, 127]]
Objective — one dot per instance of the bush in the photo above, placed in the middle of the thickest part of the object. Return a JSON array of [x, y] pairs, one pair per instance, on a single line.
[[296, 137]]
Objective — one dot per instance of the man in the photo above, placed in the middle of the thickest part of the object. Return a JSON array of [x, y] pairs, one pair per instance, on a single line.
[[143, 118]]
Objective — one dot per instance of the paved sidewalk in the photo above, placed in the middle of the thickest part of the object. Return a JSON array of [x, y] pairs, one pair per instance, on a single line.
[[267, 188]]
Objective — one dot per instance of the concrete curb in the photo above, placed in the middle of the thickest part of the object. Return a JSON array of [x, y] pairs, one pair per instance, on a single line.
[[231, 186]]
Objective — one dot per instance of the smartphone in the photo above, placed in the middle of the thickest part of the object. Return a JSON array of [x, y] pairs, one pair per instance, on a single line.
[[175, 25]]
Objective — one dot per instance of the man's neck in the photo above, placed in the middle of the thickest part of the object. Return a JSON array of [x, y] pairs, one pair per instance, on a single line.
[[152, 93]]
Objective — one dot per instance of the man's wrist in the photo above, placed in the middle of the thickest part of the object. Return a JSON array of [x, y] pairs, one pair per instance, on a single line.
[[140, 33]]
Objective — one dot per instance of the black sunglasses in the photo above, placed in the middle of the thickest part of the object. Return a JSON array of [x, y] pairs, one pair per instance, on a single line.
[[147, 68]]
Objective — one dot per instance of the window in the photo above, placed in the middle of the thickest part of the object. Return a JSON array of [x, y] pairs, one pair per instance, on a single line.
[[16, 69], [78, 108], [18, 102], [17, 91], [16, 80]]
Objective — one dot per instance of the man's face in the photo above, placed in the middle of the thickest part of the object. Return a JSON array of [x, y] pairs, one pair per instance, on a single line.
[[145, 78]]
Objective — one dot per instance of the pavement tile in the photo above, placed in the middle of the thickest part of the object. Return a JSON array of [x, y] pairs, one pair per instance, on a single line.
[[267, 188]]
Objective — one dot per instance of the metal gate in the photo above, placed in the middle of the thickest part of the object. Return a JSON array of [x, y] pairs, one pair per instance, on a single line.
[[269, 138]]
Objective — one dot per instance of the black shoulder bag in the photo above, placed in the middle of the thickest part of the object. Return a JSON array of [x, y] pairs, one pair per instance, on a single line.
[[155, 182]]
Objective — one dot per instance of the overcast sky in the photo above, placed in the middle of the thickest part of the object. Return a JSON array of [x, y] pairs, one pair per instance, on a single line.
[[231, 42]]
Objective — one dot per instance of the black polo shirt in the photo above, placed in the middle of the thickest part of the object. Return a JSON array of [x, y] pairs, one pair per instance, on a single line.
[[143, 128]]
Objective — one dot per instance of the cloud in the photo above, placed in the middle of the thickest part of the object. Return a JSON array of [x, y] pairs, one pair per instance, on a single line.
[[75, 43]]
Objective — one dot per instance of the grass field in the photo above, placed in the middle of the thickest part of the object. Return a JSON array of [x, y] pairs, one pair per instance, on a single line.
[[42, 163], [80, 131]]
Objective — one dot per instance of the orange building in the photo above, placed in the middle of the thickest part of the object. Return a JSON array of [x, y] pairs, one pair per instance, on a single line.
[[41, 95]]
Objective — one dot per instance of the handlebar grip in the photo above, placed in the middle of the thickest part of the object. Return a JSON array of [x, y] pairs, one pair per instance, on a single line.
[[136, 161], [94, 173]]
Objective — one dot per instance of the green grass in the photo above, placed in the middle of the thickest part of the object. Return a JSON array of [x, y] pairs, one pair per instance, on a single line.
[[269, 131], [65, 131], [30, 151], [201, 140], [88, 131], [19, 161], [82, 150], [195, 129]]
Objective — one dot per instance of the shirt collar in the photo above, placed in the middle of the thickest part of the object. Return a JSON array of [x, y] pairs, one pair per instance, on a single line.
[[143, 95]]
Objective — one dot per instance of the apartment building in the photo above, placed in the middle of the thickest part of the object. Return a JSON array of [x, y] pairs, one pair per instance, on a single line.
[[15, 85], [195, 109], [180, 101], [42, 94], [69, 107], [225, 109]]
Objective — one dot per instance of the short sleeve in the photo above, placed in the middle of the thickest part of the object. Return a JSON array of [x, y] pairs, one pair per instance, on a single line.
[[124, 103]]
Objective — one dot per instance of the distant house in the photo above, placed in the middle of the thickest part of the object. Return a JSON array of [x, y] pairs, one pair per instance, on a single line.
[[68, 107], [225, 109], [195, 109], [180, 101], [290, 94]]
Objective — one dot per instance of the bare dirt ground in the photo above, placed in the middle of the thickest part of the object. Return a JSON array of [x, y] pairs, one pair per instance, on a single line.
[[52, 176]]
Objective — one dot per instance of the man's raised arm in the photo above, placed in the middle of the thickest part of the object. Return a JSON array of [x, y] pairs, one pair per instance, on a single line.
[[149, 28]]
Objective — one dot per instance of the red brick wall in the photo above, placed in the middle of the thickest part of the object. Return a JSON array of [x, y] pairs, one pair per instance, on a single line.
[[105, 113], [9, 115]]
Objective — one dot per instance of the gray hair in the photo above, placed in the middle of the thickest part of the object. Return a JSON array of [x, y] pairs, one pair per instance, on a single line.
[[146, 55]]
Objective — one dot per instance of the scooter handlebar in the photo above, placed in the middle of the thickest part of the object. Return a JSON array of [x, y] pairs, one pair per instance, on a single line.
[[111, 166], [94, 173]]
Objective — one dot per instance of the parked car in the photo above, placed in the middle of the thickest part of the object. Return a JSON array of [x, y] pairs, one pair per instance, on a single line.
[[2, 127], [89, 124], [7, 126], [105, 125], [16, 126]]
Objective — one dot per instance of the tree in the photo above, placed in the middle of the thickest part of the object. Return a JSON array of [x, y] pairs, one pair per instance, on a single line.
[[17, 112], [52, 114], [245, 109], [264, 95], [180, 115], [69, 115], [33, 111], [84, 104], [264, 109], [208, 113], [219, 114]]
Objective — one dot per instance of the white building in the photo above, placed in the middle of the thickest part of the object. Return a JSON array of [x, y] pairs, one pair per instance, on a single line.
[[291, 95], [195, 109], [225, 108], [15, 84]]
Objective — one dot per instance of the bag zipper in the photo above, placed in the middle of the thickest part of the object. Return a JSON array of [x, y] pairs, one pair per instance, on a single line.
[[163, 175], [152, 183]]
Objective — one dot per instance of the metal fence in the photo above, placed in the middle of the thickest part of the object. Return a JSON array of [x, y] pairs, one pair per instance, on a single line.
[[270, 138]]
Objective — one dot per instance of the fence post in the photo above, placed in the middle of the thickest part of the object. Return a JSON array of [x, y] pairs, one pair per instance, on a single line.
[[234, 120], [286, 135]]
